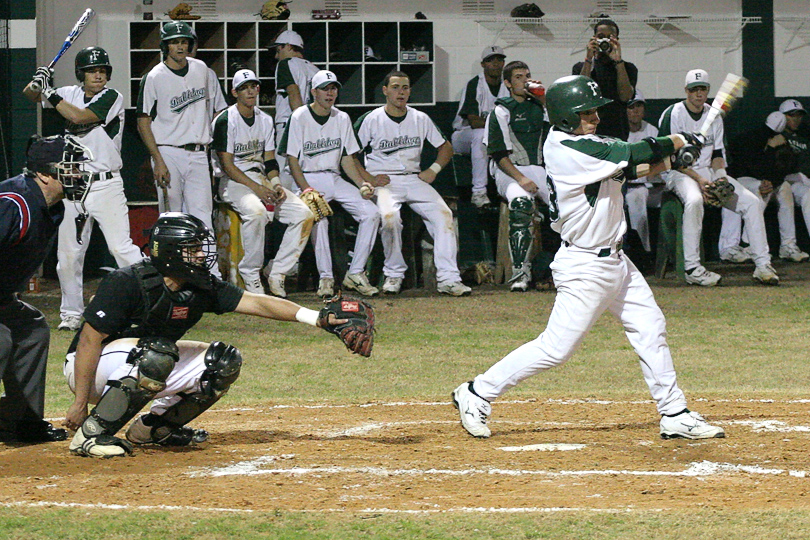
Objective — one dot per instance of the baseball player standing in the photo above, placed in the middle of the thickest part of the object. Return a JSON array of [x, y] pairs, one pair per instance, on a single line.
[[174, 121], [318, 141], [293, 84], [244, 142], [585, 176], [394, 136], [475, 103], [514, 137], [30, 212], [94, 114], [690, 186]]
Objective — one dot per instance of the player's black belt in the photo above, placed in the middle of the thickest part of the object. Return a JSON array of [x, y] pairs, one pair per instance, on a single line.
[[600, 252], [190, 147], [96, 177]]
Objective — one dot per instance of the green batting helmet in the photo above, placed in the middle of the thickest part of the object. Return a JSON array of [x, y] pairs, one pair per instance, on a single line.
[[176, 29], [91, 57], [569, 96]]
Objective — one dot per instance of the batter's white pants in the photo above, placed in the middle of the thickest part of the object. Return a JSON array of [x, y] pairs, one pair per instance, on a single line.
[[587, 286], [425, 201], [743, 202], [334, 188], [732, 230], [112, 366], [107, 205], [800, 185], [637, 199], [509, 189], [254, 216], [470, 142]]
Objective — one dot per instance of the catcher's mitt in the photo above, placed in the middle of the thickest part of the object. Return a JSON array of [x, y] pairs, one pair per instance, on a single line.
[[182, 12], [315, 201], [719, 192], [357, 330], [275, 10]]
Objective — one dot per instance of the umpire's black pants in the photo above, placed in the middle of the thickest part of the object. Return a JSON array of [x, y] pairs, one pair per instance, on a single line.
[[24, 340]]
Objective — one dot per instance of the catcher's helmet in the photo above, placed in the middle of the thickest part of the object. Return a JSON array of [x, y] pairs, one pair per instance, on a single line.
[[91, 57], [182, 247], [569, 96], [176, 29], [63, 157]]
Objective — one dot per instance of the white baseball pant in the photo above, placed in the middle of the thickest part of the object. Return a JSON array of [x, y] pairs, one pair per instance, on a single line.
[[106, 204], [284, 174], [470, 142], [732, 231], [587, 286], [509, 189], [425, 201], [189, 183], [254, 216], [800, 185], [112, 366], [743, 202], [638, 198], [334, 188]]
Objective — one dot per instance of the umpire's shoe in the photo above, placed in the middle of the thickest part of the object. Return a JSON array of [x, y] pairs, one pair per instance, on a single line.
[[148, 429], [689, 425], [474, 410], [32, 433]]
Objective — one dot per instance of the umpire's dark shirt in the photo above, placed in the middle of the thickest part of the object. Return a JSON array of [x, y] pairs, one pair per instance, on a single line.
[[613, 116], [27, 228]]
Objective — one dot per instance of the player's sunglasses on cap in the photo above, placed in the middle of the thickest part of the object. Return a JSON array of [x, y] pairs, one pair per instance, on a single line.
[[242, 76], [324, 78], [792, 107]]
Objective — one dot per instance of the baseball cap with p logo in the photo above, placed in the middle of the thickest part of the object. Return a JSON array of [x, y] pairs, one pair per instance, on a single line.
[[791, 105], [324, 78], [697, 77], [490, 51]]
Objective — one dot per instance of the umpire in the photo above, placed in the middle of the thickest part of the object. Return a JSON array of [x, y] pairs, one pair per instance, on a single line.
[[31, 210]]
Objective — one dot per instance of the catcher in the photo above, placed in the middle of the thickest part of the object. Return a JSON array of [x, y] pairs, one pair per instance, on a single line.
[[129, 350]]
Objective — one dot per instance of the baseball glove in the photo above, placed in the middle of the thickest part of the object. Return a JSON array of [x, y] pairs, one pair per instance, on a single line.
[[316, 203], [275, 10], [357, 329], [719, 192], [182, 12]]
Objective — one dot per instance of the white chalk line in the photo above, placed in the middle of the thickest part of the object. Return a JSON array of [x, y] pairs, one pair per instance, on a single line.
[[695, 469]]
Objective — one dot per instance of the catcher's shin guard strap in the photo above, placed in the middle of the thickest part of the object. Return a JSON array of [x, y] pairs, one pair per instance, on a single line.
[[521, 210], [119, 404]]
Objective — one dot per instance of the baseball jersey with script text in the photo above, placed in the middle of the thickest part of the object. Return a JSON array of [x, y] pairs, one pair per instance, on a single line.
[[395, 143], [246, 138], [177, 102], [319, 142]]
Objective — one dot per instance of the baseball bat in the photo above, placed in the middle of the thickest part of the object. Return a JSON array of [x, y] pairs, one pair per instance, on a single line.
[[729, 92], [78, 28], [166, 206]]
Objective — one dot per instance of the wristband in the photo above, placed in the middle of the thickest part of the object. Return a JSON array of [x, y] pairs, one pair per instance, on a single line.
[[435, 168], [307, 190], [308, 316], [55, 99], [274, 182], [617, 62], [680, 138], [719, 173]]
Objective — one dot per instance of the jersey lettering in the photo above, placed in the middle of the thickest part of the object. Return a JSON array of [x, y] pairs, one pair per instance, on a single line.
[[399, 143], [321, 146], [179, 103]]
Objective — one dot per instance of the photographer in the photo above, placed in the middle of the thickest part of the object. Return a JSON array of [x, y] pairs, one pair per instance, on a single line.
[[617, 78]]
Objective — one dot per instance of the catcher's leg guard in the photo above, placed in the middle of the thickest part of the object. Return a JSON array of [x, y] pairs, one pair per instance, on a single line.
[[521, 210], [222, 366], [154, 359]]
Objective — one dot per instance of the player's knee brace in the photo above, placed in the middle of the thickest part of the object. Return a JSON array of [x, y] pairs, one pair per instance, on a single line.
[[222, 366], [154, 359], [521, 210]]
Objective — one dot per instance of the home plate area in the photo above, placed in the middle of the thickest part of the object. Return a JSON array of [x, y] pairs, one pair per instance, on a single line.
[[544, 455]]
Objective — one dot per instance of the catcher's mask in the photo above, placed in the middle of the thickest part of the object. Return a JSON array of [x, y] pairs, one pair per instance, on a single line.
[[569, 96], [63, 157], [182, 247], [91, 57]]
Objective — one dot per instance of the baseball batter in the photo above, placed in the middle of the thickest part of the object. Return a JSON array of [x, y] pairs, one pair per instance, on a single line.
[[174, 121], [318, 141], [592, 274], [94, 114], [244, 142], [514, 137], [293, 84], [394, 136], [477, 100]]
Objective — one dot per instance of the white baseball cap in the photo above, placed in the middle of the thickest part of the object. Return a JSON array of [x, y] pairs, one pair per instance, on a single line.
[[697, 77], [638, 97], [290, 36], [492, 50], [776, 121], [323, 78], [790, 105], [369, 53], [242, 76]]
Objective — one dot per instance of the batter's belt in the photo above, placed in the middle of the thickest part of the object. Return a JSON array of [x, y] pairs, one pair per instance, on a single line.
[[599, 252]]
